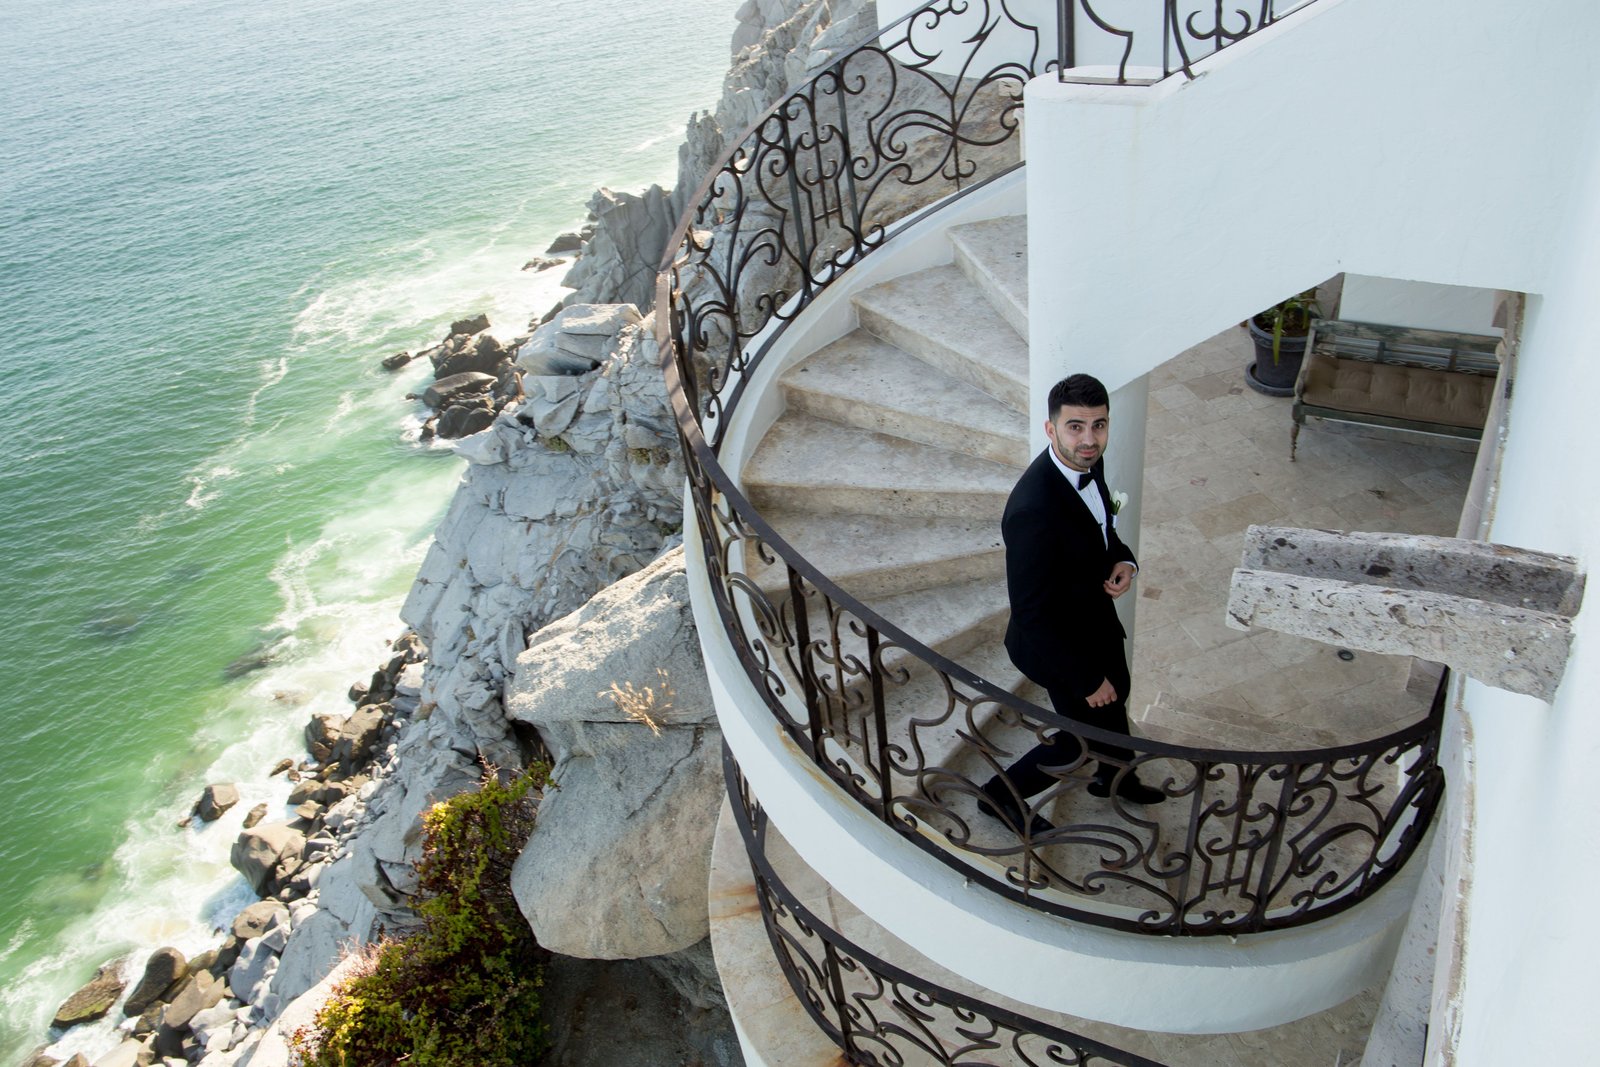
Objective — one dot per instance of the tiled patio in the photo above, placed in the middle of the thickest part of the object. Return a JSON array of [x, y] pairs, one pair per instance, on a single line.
[[1216, 461]]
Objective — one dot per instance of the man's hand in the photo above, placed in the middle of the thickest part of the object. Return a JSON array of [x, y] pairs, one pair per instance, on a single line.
[[1121, 580], [1104, 695]]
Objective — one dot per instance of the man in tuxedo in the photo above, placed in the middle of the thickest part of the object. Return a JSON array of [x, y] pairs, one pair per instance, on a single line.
[[1065, 568]]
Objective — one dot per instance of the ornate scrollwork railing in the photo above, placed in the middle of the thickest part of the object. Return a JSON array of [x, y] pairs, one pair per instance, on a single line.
[[878, 1013], [1189, 30], [1245, 841]]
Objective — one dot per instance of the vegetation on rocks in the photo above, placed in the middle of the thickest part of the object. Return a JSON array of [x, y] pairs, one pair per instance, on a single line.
[[464, 988]]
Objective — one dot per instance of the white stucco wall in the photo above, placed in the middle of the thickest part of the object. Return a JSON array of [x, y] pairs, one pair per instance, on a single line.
[[1526, 972], [1448, 142], [1430, 140], [1396, 302]]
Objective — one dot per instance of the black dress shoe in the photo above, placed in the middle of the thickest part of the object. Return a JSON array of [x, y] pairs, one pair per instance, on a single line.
[[1129, 788], [1005, 810]]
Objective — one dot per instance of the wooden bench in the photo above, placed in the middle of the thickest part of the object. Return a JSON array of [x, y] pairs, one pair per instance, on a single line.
[[1430, 382]]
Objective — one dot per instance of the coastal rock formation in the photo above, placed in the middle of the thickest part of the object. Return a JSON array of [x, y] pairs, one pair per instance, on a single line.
[[777, 45], [260, 850], [619, 262], [568, 491], [93, 999], [162, 972], [617, 864], [573, 483], [215, 801]]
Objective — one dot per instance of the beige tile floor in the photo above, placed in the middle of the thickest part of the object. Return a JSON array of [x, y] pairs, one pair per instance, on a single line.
[[1216, 461]]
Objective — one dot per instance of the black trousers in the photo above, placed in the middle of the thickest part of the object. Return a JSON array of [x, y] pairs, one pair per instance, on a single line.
[[1062, 749]]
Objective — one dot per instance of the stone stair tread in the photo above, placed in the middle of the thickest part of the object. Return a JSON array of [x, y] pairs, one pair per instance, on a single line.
[[814, 464], [867, 382], [1211, 726], [874, 555], [939, 315], [941, 617], [950, 619], [994, 254]]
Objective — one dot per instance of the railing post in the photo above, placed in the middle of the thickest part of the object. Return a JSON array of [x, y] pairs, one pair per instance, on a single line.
[[880, 722], [1066, 43], [797, 213], [808, 684]]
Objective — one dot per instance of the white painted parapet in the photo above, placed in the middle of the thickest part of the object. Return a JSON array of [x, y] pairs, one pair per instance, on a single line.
[[1181, 985]]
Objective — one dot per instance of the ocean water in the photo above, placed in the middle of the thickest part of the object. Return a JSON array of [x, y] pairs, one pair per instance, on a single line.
[[216, 217]]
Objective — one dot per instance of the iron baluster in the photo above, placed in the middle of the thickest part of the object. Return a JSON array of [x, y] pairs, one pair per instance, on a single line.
[[880, 722], [808, 685]]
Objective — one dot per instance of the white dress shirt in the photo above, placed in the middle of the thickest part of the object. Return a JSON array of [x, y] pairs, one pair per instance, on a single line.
[[1090, 494]]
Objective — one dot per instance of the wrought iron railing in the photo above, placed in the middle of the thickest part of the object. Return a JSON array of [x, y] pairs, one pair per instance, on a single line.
[[1183, 31], [926, 108], [1245, 841], [878, 1013]]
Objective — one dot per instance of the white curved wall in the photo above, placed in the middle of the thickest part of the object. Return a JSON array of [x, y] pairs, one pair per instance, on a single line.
[[1413, 141], [1443, 141], [1183, 985]]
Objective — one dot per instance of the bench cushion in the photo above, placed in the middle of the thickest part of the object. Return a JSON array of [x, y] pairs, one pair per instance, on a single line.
[[1415, 394]]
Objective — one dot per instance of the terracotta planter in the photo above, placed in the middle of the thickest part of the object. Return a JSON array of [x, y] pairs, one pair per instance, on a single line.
[[1275, 378]]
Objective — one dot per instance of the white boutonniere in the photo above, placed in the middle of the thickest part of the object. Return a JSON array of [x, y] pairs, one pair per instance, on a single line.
[[1118, 500]]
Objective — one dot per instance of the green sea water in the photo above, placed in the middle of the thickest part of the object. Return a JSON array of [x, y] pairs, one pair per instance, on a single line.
[[216, 217]]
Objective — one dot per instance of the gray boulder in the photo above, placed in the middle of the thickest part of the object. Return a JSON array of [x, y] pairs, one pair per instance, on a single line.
[[198, 992], [93, 999], [163, 970], [455, 387], [256, 919], [215, 800], [259, 850], [475, 324], [360, 733], [131, 1053], [617, 691], [619, 262], [579, 338], [321, 731], [483, 354]]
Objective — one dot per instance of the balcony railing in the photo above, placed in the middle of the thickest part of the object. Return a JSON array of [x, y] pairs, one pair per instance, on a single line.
[[1246, 841], [1141, 42], [878, 1013]]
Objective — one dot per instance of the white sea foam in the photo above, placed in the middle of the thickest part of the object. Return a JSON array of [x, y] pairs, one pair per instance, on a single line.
[[203, 485], [273, 371], [341, 595], [386, 307]]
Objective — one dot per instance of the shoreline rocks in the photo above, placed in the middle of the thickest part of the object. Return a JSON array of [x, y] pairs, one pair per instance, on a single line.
[[573, 482]]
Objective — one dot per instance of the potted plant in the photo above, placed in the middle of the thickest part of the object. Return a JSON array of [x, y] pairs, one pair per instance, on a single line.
[[1279, 334]]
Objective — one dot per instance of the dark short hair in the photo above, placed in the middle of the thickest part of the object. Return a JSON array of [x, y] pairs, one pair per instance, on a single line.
[[1078, 391]]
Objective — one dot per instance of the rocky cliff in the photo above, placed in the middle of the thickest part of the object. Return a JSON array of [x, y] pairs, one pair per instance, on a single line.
[[550, 618]]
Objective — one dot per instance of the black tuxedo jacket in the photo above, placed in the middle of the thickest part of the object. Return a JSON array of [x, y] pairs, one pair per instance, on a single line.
[[1064, 632]]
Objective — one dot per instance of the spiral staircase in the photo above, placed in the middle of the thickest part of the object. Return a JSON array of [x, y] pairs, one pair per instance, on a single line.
[[891, 464]]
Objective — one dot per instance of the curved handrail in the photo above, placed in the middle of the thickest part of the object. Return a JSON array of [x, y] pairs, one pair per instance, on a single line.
[[1190, 31], [1259, 840], [877, 1012]]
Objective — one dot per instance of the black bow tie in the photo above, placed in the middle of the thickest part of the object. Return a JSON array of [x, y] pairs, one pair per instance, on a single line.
[[1084, 480]]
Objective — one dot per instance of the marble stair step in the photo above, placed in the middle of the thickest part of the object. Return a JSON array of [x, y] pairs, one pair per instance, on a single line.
[[1200, 725], [873, 556], [994, 254], [950, 619], [920, 709], [866, 382], [809, 464], [941, 317]]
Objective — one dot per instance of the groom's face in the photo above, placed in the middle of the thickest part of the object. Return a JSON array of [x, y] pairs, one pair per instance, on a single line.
[[1078, 435]]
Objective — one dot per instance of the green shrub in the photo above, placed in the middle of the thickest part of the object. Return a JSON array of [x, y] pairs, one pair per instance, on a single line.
[[463, 989]]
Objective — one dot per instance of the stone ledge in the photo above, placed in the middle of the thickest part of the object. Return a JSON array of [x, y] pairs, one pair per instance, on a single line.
[[1500, 614]]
